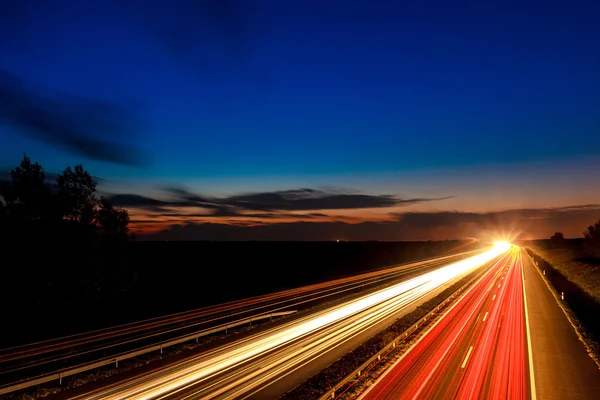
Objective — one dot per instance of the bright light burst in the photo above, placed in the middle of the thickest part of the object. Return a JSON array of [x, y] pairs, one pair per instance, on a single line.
[[502, 246]]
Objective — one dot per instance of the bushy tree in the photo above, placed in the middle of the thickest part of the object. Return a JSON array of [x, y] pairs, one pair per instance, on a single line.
[[591, 241], [113, 221], [73, 198], [557, 239], [77, 195], [27, 197], [64, 241]]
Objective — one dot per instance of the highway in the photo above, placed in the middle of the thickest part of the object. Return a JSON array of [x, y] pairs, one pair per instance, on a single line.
[[477, 349], [245, 367], [37, 359]]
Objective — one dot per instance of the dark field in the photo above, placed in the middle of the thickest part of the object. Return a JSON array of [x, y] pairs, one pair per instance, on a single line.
[[569, 260], [158, 278]]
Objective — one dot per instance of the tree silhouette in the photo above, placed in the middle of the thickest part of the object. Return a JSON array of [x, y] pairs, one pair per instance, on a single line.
[[27, 197], [591, 241], [113, 221], [557, 239], [65, 245], [77, 195]]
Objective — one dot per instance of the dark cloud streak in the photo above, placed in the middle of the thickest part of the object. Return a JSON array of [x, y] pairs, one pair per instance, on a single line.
[[265, 202], [138, 201], [91, 128], [310, 199]]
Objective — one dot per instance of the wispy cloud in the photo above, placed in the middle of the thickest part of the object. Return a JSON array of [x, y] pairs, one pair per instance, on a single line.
[[299, 200]]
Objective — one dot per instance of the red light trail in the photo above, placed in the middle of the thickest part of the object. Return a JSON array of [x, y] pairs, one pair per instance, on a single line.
[[477, 350]]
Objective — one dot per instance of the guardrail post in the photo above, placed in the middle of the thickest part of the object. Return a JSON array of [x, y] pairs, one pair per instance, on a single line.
[[160, 349], [116, 363], [358, 374], [379, 357], [333, 394], [196, 339], [226, 329], [60, 378]]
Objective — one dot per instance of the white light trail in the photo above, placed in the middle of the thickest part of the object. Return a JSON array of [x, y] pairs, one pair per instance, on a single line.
[[221, 361]]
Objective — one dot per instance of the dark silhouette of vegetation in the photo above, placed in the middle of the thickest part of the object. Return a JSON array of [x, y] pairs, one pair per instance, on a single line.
[[64, 247], [70, 265], [586, 249], [557, 239], [591, 242]]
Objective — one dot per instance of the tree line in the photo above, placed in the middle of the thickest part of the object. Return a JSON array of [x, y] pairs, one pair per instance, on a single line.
[[62, 244], [591, 241]]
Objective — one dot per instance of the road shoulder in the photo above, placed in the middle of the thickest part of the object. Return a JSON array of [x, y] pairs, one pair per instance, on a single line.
[[562, 367]]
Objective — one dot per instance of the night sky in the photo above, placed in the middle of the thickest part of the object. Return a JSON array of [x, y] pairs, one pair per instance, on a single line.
[[313, 120]]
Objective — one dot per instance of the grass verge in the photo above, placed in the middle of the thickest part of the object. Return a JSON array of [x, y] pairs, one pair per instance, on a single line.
[[581, 307], [583, 273]]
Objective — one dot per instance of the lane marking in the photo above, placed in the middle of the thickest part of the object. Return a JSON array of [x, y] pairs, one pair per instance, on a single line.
[[494, 298], [464, 364], [485, 317], [529, 350]]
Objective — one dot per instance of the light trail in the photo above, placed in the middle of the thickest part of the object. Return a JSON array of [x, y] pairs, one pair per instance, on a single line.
[[462, 357], [246, 366], [44, 358], [68, 342]]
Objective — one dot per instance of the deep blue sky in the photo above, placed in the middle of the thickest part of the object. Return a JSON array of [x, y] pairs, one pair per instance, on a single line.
[[270, 93]]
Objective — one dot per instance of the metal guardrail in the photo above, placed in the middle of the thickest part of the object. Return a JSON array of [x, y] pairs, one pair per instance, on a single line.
[[355, 375], [59, 375]]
